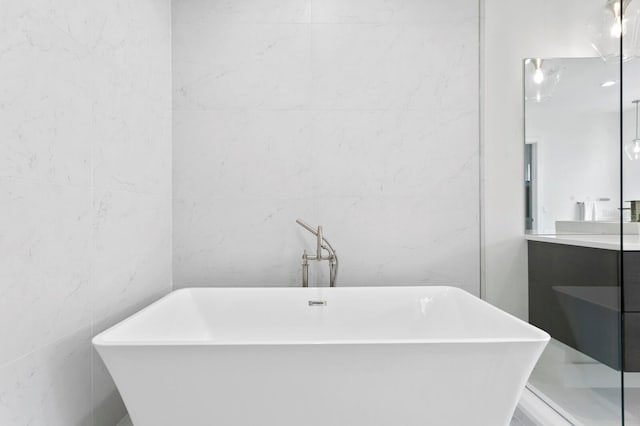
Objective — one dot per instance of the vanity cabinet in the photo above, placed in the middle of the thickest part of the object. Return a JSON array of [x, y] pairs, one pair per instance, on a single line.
[[575, 295]]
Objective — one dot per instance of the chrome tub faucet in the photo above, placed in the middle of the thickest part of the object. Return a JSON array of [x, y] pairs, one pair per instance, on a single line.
[[321, 244]]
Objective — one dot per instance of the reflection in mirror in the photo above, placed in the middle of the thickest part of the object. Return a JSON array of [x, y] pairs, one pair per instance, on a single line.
[[544, 76], [572, 186], [582, 188], [572, 154]]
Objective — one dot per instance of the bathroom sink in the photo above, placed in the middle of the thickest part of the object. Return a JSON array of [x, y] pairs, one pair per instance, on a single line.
[[596, 227]]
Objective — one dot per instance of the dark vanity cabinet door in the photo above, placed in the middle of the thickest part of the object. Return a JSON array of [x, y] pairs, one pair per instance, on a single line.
[[631, 285], [574, 295]]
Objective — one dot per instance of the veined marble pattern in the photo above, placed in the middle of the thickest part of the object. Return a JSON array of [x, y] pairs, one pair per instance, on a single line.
[[357, 115], [131, 261], [45, 264], [85, 187], [429, 67], [284, 108], [51, 386]]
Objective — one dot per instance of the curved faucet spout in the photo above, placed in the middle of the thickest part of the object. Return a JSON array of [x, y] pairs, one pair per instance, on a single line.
[[307, 226], [321, 243]]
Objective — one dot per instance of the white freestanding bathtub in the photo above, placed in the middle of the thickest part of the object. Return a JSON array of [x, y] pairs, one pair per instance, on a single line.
[[350, 356]]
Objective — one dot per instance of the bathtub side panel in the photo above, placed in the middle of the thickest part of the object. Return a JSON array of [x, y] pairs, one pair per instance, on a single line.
[[317, 385]]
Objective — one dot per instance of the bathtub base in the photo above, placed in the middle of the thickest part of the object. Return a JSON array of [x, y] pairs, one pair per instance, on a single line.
[[337, 385]]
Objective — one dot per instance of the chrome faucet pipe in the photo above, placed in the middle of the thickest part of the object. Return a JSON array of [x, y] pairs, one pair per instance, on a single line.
[[321, 243], [305, 270]]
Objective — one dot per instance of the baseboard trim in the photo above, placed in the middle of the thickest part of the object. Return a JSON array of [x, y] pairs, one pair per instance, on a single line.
[[540, 412]]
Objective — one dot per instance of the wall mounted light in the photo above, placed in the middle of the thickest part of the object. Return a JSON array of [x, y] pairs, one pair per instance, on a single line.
[[617, 19], [538, 75], [632, 148], [541, 79]]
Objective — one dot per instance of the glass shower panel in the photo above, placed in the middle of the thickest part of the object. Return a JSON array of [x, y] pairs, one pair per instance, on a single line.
[[630, 163], [573, 227]]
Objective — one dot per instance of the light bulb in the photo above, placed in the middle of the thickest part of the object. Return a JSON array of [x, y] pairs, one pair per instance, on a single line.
[[618, 19], [538, 76], [636, 149], [632, 149], [541, 78], [618, 28]]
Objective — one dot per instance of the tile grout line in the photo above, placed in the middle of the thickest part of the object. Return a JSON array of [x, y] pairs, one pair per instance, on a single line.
[[481, 153], [92, 271], [171, 281], [42, 347]]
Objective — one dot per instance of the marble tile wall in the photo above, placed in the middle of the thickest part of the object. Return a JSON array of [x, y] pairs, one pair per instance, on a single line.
[[360, 115], [85, 189]]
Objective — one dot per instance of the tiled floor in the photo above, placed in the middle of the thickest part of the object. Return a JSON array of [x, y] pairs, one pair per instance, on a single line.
[[587, 391], [520, 419]]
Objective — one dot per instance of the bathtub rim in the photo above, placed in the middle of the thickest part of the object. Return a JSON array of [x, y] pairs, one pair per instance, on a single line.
[[100, 341]]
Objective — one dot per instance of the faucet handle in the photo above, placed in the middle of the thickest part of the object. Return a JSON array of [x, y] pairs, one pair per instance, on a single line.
[[307, 227]]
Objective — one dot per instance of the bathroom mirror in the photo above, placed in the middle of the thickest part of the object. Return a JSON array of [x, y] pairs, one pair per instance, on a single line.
[[572, 146]]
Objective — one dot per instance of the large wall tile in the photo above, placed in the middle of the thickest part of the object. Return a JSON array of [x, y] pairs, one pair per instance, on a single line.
[[242, 153], [44, 264], [240, 241], [404, 240], [132, 126], [46, 111], [49, 387], [241, 66], [410, 66], [131, 250], [360, 153], [132, 153]]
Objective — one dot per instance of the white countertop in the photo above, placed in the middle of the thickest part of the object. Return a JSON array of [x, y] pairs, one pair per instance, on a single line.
[[607, 242]]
